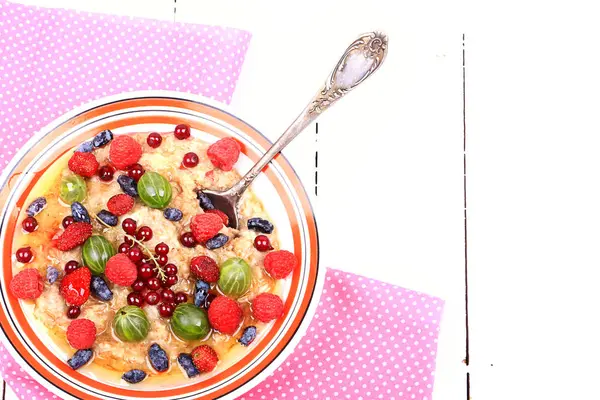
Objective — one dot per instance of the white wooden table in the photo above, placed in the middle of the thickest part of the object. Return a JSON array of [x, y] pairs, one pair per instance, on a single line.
[[401, 134]]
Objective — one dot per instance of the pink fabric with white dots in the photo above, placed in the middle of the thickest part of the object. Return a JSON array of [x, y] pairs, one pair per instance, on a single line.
[[53, 60], [368, 340]]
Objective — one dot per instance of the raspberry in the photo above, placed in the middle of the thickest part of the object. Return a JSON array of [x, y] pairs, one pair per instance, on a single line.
[[221, 215], [81, 334], [84, 164], [121, 270], [204, 358], [75, 287], [224, 315], [124, 151], [205, 268], [205, 226], [224, 153], [280, 263], [120, 204], [74, 235], [267, 307], [27, 284]]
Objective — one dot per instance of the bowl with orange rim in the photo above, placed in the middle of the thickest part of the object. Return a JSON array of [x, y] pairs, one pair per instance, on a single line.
[[36, 330]]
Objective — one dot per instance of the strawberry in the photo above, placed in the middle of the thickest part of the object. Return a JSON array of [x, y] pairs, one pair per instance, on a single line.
[[120, 270], [224, 153], [75, 287], [27, 284], [81, 334], [84, 164], [205, 268], [224, 315], [74, 235], [205, 226], [120, 204], [267, 307], [204, 358], [124, 151]]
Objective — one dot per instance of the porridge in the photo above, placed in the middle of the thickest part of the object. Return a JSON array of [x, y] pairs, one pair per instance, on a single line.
[[132, 270]]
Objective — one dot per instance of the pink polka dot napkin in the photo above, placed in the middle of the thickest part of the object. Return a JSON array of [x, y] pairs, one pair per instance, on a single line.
[[53, 60], [368, 340]]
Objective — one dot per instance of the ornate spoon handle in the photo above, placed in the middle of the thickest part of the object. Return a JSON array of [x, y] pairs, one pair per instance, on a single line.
[[360, 60]]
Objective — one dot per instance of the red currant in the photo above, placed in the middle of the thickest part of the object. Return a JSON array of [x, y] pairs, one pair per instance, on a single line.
[[71, 266], [170, 270], [137, 286], [190, 160], [68, 220], [135, 172], [167, 295], [182, 131], [128, 241], [144, 233], [124, 248], [152, 297], [262, 243], [162, 248], [209, 300], [135, 254], [154, 140], [135, 299], [73, 312], [162, 259], [24, 255], [106, 173], [169, 281], [29, 224], [187, 239], [153, 283], [129, 226], [166, 309], [180, 297], [146, 271]]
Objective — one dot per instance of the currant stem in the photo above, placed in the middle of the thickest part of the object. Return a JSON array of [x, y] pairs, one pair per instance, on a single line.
[[158, 268]]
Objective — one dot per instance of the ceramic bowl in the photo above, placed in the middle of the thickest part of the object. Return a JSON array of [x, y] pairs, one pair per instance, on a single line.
[[278, 187]]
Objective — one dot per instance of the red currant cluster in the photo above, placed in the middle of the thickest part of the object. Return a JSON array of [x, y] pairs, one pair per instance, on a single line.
[[107, 172], [155, 274]]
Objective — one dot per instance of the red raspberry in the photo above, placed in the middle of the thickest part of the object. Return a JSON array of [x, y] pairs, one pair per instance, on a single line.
[[225, 315], [205, 268], [74, 235], [81, 334], [205, 226], [267, 307], [120, 204], [120, 270], [84, 164], [221, 215], [124, 151], [280, 263], [75, 287], [205, 358], [27, 284], [224, 153]]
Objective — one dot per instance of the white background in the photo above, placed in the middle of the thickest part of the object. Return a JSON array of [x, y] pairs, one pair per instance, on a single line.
[[390, 202], [533, 95]]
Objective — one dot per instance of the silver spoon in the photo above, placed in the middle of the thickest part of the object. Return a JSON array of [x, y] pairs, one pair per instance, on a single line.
[[360, 60]]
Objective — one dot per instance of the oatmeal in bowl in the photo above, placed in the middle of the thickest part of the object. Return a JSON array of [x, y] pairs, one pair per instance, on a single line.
[[134, 281]]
